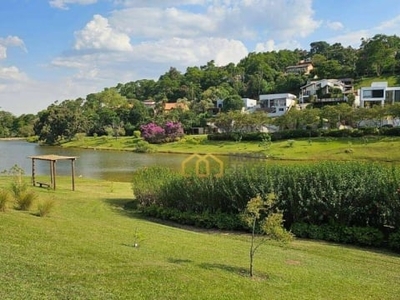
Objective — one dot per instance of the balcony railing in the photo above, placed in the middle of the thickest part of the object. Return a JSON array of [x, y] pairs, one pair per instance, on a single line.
[[341, 99]]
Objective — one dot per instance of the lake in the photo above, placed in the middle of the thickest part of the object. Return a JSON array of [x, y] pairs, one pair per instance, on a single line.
[[97, 164]]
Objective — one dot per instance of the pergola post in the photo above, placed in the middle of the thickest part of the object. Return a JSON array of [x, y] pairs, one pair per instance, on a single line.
[[51, 174], [54, 173], [73, 174], [33, 172]]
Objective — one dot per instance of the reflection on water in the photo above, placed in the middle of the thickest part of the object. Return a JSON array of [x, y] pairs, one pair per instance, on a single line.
[[107, 165]]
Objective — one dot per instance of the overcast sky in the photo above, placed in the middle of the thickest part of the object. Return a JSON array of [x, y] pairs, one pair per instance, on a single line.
[[64, 49]]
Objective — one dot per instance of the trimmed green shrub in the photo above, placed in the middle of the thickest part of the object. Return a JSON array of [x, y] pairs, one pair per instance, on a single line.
[[362, 236], [394, 131], [207, 220]]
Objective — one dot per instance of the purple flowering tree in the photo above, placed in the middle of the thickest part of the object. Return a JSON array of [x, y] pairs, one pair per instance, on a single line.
[[152, 133], [173, 130]]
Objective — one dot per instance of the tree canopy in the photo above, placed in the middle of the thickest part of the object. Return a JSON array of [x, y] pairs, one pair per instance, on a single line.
[[199, 87]]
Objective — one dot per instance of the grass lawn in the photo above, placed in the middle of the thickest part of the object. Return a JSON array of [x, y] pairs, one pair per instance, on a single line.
[[365, 82], [372, 148], [84, 250]]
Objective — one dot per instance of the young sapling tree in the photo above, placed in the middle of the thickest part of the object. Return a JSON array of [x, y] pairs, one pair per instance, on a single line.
[[265, 223]]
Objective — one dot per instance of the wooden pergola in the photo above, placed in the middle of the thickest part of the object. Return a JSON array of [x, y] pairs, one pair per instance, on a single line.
[[52, 159]]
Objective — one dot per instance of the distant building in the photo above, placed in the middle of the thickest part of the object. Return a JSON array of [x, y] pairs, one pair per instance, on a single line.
[[149, 103], [249, 103], [379, 93], [321, 90], [276, 105], [220, 103], [174, 105], [303, 67]]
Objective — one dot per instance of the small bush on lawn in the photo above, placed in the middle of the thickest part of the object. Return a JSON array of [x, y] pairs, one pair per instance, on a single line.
[[18, 185], [25, 200], [144, 147], [4, 199], [44, 208]]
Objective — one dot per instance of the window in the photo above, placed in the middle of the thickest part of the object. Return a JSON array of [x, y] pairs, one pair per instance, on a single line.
[[373, 93], [271, 103], [367, 94], [397, 96], [377, 93]]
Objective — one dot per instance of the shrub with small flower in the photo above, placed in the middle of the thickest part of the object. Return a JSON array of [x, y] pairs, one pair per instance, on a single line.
[[154, 133]]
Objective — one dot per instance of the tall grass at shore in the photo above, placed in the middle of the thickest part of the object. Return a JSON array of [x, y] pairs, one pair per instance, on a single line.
[[362, 195]]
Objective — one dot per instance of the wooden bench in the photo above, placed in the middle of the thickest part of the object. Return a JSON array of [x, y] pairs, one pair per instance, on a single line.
[[42, 184]]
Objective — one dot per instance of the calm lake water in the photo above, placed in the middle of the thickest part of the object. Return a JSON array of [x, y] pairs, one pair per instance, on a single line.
[[107, 165]]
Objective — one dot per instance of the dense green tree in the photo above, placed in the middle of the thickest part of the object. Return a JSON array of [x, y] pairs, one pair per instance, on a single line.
[[60, 121], [169, 86], [23, 125], [319, 47], [378, 55], [289, 83], [290, 120], [6, 124], [213, 76], [394, 112], [100, 110], [142, 90], [133, 115], [232, 103]]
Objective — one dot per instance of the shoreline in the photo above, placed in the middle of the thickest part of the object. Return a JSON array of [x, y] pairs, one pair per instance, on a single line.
[[13, 139]]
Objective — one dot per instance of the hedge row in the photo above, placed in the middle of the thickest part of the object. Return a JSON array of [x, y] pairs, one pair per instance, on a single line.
[[348, 195], [306, 133]]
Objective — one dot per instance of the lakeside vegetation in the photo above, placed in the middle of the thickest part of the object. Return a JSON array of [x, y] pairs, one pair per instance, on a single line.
[[84, 250], [371, 148]]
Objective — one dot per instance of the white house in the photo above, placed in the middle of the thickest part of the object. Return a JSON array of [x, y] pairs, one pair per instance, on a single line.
[[276, 104], [249, 103], [323, 86], [379, 94]]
